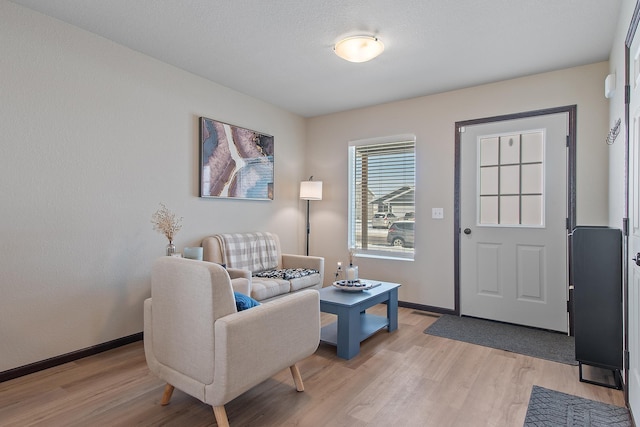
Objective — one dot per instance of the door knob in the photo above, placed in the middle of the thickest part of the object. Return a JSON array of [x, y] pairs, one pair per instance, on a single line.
[[468, 231], [637, 259]]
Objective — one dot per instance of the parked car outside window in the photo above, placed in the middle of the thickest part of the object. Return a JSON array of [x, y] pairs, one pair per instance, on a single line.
[[383, 220], [410, 216], [401, 234]]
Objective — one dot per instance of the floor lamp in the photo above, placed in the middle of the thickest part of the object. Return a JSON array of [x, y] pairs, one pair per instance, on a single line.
[[310, 190]]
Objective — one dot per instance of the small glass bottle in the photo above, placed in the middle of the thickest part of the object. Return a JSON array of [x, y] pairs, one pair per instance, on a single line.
[[339, 272], [171, 248]]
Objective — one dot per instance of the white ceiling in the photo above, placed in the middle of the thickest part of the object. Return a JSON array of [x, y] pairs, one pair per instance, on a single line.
[[281, 51]]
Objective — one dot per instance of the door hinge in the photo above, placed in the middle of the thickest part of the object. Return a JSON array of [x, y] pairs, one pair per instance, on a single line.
[[625, 227], [461, 129], [568, 225], [627, 94], [568, 140], [627, 361]]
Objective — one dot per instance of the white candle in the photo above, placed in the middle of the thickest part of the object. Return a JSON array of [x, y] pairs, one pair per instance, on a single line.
[[352, 273]]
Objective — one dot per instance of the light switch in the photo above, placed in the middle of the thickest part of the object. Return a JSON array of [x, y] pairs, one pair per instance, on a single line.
[[437, 213]]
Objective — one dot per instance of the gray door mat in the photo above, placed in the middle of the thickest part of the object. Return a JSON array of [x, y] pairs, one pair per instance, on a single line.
[[550, 408], [549, 345]]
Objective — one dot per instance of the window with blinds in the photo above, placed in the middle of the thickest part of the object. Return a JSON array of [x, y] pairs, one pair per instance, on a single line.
[[382, 196]]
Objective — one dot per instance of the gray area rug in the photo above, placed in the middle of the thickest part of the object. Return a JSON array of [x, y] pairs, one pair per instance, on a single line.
[[504, 336], [550, 408]]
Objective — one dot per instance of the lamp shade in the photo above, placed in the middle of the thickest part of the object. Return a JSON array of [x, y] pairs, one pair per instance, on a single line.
[[359, 48], [311, 190]]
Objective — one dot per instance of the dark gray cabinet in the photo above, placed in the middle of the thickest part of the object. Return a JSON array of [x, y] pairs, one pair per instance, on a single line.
[[596, 260]]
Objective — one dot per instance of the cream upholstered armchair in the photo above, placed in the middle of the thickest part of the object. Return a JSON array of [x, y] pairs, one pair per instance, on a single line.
[[196, 341]]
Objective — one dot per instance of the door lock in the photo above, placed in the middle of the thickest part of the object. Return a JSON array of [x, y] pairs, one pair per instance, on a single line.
[[468, 231]]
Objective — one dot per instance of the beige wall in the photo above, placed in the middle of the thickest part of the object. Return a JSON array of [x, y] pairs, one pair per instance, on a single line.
[[429, 280], [94, 136]]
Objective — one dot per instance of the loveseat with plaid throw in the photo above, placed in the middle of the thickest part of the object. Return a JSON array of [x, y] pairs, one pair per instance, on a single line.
[[273, 274]]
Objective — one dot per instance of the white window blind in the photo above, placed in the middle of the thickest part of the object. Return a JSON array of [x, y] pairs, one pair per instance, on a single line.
[[381, 181]]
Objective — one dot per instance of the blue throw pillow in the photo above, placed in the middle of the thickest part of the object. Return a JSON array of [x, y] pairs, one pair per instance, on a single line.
[[244, 302]]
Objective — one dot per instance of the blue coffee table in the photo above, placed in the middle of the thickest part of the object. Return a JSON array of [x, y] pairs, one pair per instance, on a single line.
[[354, 325]]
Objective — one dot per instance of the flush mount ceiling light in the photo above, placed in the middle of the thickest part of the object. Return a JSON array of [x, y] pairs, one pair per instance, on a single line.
[[359, 48]]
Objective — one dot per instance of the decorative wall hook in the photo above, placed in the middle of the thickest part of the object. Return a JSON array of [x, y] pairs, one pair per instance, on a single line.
[[613, 133]]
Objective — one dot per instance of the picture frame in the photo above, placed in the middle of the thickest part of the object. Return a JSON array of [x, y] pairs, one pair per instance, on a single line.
[[235, 162]]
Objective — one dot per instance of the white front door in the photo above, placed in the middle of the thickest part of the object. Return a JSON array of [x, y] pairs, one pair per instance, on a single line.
[[633, 294], [513, 221]]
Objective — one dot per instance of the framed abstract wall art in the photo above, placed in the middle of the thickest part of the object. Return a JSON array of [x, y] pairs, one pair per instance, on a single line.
[[235, 162]]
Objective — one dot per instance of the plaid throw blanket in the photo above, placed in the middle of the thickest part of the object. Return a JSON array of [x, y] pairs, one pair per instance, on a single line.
[[249, 251]]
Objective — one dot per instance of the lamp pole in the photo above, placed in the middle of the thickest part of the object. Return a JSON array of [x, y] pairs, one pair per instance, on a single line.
[[308, 227]]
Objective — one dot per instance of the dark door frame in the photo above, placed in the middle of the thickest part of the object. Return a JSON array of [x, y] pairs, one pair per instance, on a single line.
[[571, 185]]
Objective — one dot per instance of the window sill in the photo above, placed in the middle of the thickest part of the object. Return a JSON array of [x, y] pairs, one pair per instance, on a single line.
[[385, 255]]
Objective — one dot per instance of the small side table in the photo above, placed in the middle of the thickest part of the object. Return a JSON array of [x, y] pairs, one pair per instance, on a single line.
[[354, 325]]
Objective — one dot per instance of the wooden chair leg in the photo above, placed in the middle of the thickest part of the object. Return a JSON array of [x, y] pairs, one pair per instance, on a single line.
[[297, 378], [221, 416], [166, 396]]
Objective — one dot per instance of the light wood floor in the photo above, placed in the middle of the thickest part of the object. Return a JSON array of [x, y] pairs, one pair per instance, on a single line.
[[402, 379]]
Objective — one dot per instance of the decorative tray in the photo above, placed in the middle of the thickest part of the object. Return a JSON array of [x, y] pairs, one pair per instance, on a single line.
[[354, 286]]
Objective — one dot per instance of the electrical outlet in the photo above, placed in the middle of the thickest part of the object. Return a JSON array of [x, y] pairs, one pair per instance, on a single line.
[[437, 213]]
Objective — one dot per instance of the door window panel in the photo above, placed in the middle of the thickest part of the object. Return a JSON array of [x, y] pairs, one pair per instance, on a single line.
[[509, 149], [531, 209], [511, 179], [489, 151], [532, 147], [489, 210], [532, 179], [509, 210], [489, 181]]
